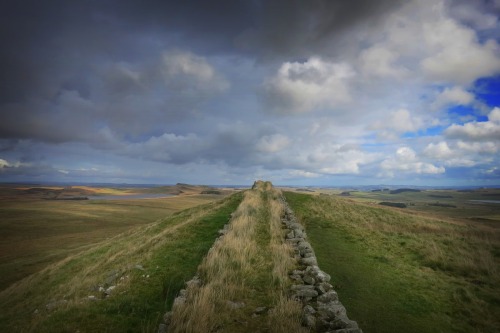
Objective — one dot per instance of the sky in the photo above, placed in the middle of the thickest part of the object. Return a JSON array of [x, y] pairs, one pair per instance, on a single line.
[[318, 92]]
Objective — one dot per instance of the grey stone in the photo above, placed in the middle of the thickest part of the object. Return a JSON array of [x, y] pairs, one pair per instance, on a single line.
[[295, 225], [194, 282], [326, 286], [331, 310], [320, 289], [340, 322], [309, 261], [308, 279], [308, 255], [305, 293], [308, 310], [139, 267], [304, 245], [298, 233], [290, 235], [308, 320], [293, 241], [328, 297], [109, 290], [301, 287]]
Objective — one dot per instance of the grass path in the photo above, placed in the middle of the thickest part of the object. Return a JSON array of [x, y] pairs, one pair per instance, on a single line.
[[246, 269]]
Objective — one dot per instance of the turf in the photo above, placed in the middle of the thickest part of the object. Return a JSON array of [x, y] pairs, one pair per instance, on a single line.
[[397, 272]]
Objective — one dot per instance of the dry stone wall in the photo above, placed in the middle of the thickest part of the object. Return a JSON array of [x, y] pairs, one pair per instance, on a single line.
[[322, 311]]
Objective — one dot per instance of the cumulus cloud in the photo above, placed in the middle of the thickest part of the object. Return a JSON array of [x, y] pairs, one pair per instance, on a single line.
[[380, 61], [405, 161], [453, 96], [184, 69], [477, 131], [396, 123], [450, 157], [301, 87], [457, 55]]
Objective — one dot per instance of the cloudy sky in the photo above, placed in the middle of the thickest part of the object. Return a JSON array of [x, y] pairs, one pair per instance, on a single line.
[[318, 92]]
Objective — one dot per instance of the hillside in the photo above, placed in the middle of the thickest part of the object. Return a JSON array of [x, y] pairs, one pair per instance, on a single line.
[[263, 260]]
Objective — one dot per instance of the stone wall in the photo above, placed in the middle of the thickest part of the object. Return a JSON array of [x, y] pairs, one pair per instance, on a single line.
[[322, 310]]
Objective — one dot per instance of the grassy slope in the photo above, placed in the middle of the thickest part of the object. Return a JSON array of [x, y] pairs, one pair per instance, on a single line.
[[36, 233], [397, 272], [168, 250]]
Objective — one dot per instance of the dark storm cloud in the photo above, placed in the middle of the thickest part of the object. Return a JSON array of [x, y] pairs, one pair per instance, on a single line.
[[46, 38], [300, 28]]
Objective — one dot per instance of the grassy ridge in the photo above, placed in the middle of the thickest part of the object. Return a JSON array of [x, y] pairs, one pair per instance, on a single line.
[[246, 269], [167, 252], [397, 272]]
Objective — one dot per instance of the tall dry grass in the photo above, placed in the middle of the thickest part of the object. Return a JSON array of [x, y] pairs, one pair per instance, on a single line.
[[245, 269]]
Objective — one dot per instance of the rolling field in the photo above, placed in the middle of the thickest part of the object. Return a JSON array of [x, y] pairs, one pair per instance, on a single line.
[[419, 269], [37, 232], [117, 265], [121, 284]]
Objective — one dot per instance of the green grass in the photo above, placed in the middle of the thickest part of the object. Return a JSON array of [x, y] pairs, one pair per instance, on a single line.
[[400, 272], [169, 250], [36, 233]]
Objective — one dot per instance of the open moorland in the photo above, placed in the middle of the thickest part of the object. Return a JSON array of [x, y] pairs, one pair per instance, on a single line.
[[41, 225], [432, 266]]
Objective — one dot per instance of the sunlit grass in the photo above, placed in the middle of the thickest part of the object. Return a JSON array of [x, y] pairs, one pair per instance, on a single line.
[[427, 274], [167, 252], [35, 233]]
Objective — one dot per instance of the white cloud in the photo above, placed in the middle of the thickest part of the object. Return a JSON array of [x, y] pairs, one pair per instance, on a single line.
[[478, 147], [302, 173], [396, 123], [453, 96], [302, 87], [450, 157], [406, 161], [439, 150], [477, 131], [4, 164], [182, 68], [272, 143], [455, 54], [380, 61]]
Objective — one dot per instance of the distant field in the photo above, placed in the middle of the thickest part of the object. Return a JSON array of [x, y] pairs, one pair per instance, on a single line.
[[145, 267], [37, 230], [419, 269]]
